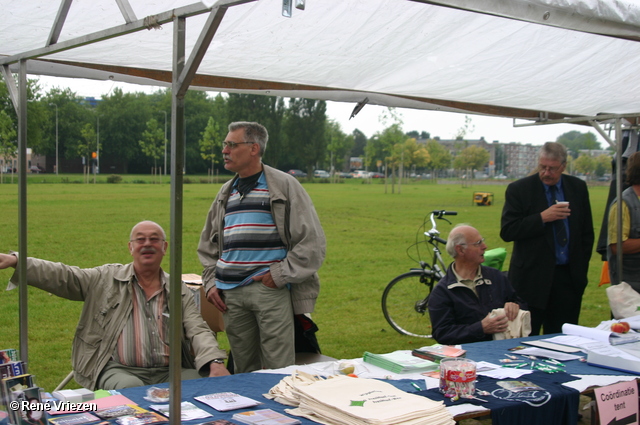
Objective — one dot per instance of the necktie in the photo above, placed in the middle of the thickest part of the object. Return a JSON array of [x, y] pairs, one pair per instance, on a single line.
[[558, 225]]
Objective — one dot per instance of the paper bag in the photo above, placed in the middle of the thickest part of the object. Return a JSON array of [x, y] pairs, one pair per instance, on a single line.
[[623, 300]]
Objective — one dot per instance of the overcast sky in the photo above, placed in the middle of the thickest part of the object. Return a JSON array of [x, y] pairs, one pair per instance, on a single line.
[[442, 124]]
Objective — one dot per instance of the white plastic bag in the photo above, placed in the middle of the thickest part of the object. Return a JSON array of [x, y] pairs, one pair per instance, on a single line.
[[623, 300]]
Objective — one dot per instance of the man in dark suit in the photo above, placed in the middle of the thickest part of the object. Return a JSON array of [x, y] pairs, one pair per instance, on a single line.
[[548, 217]]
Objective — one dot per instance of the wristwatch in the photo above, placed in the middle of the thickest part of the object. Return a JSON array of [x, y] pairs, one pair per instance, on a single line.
[[219, 361]]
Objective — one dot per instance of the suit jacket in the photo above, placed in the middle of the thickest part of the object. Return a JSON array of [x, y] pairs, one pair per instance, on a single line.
[[533, 258]]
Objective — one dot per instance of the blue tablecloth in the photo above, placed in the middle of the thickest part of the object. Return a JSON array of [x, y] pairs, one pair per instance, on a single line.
[[556, 405], [561, 407], [251, 385]]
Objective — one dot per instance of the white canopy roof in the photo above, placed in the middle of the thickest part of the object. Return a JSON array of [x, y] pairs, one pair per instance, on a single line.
[[533, 59], [401, 53]]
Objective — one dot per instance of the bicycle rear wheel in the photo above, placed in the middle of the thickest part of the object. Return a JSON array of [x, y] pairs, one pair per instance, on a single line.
[[405, 300]]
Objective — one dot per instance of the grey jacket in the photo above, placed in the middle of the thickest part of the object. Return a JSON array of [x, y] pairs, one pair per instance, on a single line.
[[107, 292], [299, 227]]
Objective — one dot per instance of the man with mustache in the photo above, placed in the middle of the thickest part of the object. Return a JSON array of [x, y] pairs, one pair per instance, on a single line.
[[261, 247], [122, 338], [547, 215]]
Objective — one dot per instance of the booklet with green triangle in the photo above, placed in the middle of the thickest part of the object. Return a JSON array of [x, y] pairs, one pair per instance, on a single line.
[[401, 361]]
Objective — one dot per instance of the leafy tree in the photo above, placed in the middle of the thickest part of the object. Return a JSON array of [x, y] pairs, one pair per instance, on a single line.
[[85, 146], [466, 128], [501, 160], [211, 142], [472, 157], [585, 164], [199, 107], [359, 143], [123, 118], [152, 143], [439, 156], [416, 135], [268, 111], [338, 144], [603, 165], [410, 154], [381, 145], [8, 141], [575, 141], [35, 113], [73, 114], [304, 128]]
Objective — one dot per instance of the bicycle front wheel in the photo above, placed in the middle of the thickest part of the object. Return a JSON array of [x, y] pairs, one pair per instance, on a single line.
[[405, 300]]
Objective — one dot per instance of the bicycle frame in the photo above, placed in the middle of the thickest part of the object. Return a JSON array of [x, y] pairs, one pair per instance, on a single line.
[[437, 265], [405, 299]]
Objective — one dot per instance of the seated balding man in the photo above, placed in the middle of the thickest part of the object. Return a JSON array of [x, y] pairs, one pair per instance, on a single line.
[[122, 338], [460, 305]]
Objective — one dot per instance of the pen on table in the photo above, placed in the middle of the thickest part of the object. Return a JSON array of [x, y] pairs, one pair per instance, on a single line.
[[416, 386]]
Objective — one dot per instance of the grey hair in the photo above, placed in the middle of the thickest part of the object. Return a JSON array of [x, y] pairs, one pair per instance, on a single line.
[[164, 235], [554, 151], [455, 238], [253, 132]]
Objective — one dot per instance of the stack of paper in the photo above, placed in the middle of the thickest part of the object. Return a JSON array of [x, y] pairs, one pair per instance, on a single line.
[[360, 401], [401, 361]]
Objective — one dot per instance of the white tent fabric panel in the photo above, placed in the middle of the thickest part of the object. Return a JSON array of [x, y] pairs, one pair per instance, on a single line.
[[395, 52], [615, 18]]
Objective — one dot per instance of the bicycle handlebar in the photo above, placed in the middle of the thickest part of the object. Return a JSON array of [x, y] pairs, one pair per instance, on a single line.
[[440, 213]]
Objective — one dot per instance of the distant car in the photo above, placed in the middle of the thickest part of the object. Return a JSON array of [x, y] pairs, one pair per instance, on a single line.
[[500, 177], [297, 173], [361, 174], [321, 174], [344, 175], [377, 176], [36, 169]]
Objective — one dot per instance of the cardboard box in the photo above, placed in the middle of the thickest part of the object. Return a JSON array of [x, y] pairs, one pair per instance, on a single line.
[[210, 314]]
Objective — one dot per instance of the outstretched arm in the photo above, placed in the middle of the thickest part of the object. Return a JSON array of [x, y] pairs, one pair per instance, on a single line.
[[7, 260]]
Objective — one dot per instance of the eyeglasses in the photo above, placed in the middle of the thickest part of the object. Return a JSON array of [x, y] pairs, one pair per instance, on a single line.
[[152, 240], [480, 242], [550, 170], [232, 145]]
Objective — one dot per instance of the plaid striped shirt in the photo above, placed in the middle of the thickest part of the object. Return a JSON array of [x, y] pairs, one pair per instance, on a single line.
[[251, 240]]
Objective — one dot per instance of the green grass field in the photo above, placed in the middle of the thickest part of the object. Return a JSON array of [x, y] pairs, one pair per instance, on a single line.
[[368, 232]]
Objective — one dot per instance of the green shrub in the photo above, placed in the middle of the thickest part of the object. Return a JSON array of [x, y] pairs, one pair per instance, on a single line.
[[114, 178]]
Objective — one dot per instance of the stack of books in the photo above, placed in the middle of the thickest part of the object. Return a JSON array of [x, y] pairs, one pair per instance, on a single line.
[[401, 361], [437, 352], [15, 385]]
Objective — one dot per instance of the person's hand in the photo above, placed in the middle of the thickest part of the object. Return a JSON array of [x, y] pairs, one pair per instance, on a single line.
[[215, 298], [8, 260], [555, 212], [493, 325], [511, 310], [266, 280], [217, 369]]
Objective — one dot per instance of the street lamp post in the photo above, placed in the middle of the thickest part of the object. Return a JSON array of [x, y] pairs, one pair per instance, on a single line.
[[165, 143], [53, 104]]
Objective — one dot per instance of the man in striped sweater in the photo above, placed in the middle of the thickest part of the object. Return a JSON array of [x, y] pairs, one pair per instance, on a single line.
[[261, 247]]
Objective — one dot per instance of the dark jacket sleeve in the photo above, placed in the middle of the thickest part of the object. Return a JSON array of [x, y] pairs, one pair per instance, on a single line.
[[520, 220]]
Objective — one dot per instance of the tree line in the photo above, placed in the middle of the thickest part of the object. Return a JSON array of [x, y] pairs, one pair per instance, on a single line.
[[129, 131]]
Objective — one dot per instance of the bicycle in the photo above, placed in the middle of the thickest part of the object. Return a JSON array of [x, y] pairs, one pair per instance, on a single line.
[[405, 299]]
